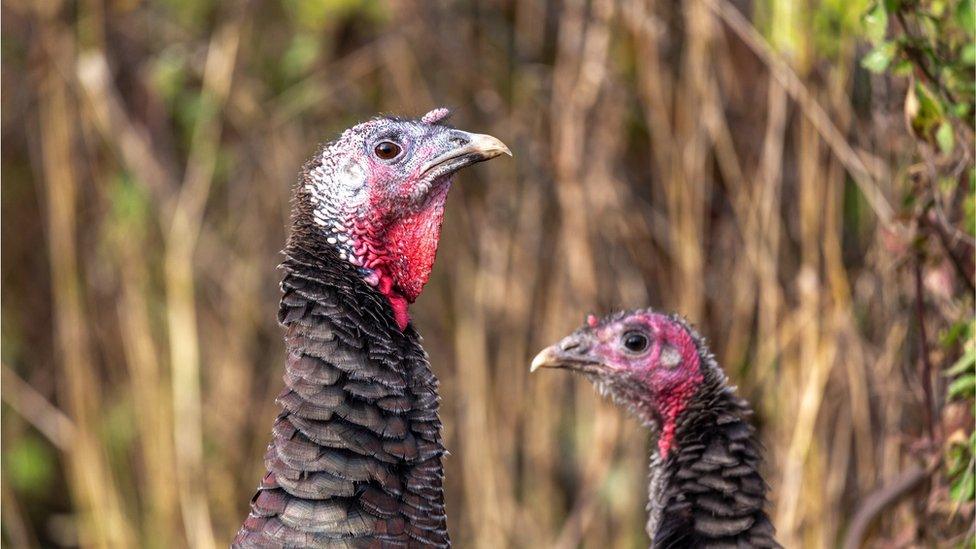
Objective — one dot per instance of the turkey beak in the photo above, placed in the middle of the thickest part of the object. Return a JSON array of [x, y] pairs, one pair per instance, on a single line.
[[572, 353], [466, 149], [547, 358]]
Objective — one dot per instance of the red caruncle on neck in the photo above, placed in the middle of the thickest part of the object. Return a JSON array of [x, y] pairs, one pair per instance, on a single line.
[[401, 252], [673, 388]]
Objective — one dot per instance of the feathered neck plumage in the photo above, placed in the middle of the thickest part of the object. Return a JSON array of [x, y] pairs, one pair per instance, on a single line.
[[709, 490], [356, 451]]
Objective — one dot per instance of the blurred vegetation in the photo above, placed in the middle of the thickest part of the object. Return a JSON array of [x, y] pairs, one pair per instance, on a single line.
[[796, 178], [931, 43]]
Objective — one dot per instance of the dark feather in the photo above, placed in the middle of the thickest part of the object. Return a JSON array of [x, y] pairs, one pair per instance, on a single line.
[[355, 457], [712, 494]]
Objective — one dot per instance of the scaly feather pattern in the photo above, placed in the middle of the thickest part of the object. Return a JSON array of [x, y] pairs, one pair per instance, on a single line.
[[708, 492], [705, 487], [355, 456], [355, 459]]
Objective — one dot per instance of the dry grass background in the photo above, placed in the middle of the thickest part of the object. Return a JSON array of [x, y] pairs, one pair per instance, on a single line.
[[740, 170]]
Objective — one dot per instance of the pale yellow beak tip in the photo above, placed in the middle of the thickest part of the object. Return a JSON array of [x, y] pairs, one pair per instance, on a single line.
[[540, 360], [489, 145]]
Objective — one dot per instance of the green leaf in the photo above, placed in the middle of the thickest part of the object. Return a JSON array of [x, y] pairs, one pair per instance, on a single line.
[[966, 16], [878, 59], [930, 27], [968, 54], [969, 212], [876, 23], [927, 110], [957, 331], [902, 68], [963, 387], [927, 99], [964, 489], [945, 137], [965, 363], [29, 464]]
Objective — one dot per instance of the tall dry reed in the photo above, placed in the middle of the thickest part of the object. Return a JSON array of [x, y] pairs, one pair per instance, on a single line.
[[707, 157]]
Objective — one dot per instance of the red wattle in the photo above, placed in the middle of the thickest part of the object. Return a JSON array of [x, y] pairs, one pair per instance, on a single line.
[[673, 388], [400, 312], [399, 304], [413, 240], [673, 404], [403, 256]]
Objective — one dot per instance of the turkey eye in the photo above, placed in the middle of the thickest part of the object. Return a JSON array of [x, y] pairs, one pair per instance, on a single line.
[[635, 342], [387, 150]]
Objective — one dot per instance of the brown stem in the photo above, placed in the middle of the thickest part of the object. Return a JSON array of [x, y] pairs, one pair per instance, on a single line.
[[881, 499], [926, 363], [958, 250]]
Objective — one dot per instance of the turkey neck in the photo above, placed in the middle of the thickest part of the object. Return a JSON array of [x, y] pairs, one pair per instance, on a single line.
[[356, 451], [708, 490]]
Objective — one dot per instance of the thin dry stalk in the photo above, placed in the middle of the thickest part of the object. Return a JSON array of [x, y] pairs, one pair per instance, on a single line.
[[606, 430], [149, 391], [766, 225], [101, 518], [120, 131], [36, 410], [578, 75], [181, 302], [14, 523], [481, 458], [809, 106]]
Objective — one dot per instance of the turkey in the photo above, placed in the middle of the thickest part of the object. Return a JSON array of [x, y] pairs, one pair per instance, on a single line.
[[705, 488], [355, 456]]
